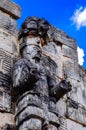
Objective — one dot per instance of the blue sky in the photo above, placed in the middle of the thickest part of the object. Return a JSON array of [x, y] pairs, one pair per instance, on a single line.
[[68, 15]]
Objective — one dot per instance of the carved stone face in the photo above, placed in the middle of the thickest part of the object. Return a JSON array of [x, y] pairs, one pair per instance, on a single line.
[[34, 26], [31, 52], [31, 25], [32, 48]]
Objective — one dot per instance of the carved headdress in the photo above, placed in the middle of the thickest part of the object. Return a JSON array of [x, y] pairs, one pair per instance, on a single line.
[[33, 26]]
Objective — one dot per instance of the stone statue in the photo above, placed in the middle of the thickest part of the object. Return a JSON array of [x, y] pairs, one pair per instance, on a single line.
[[32, 77]]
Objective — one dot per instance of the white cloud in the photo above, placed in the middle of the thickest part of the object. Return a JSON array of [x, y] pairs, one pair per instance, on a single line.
[[79, 17], [80, 55]]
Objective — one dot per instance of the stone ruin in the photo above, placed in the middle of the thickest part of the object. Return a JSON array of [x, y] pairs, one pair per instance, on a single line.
[[42, 87]]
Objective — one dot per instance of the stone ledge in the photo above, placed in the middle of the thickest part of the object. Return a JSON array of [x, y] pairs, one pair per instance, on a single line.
[[11, 8], [61, 37]]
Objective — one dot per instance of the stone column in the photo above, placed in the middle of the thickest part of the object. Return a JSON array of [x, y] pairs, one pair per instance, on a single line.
[[29, 112], [33, 114], [9, 13]]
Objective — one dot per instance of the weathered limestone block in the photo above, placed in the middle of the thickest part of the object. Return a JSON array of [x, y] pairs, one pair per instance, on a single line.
[[55, 64], [78, 92], [63, 123], [69, 52], [76, 107], [27, 107], [71, 125], [58, 73], [29, 112], [5, 64], [36, 112], [69, 69], [27, 99], [5, 76], [76, 112], [7, 52], [8, 42], [57, 35], [30, 108], [52, 127], [7, 23], [61, 106], [53, 49], [77, 102], [53, 119], [11, 8], [81, 93], [31, 124], [36, 124], [73, 94], [5, 102], [6, 118], [9, 12], [82, 73], [84, 94], [55, 53]]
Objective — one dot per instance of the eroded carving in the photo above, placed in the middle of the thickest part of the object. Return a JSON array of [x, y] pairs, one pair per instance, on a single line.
[[5, 80], [34, 75]]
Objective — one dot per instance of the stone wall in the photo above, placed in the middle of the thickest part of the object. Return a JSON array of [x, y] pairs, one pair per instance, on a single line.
[[72, 107], [9, 13]]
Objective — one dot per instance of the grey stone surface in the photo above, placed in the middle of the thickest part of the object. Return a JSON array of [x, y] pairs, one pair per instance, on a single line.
[[5, 76], [63, 123], [55, 53], [6, 118], [9, 12], [7, 23], [61, 107], [52, 127], [60, 37], [11, 8], [27, 100], [29, 112], [53, 49], [5, 102], [37, 113], [31, 124], [69, 52], [76, 113], [69, 68], [78, 92], [34, 107], [74, 125], [8, 42]]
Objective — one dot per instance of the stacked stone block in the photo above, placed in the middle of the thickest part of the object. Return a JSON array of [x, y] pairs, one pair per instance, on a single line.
[[9, 13], [74, 105]]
